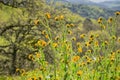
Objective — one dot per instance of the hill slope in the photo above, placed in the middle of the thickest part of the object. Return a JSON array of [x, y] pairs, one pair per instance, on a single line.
[[113, 5], [90, 11]]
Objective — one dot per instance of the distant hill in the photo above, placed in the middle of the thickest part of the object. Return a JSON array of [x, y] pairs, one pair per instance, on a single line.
[[88, 2], [81, 1], [113, 5], [90, 11]]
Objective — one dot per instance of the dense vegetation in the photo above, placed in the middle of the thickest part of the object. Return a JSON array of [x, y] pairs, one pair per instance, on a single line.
[[40, 41], [90, 11]]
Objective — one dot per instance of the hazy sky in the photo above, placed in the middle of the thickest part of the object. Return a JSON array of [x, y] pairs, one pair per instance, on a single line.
[[101, 0]]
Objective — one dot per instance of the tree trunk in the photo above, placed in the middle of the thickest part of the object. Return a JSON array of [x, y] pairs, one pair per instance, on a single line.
[[13, 64]]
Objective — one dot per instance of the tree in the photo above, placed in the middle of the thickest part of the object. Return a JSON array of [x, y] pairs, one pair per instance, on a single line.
[[21, 33]]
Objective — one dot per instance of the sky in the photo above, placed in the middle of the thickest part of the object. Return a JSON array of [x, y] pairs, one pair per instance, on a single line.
[[101, 0]]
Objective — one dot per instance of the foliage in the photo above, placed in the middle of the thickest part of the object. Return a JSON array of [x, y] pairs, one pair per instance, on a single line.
[[90, 11], [58, 44], [18, 30], [100, 60]]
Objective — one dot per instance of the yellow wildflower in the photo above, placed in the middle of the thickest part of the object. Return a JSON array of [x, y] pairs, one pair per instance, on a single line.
[[17, 70], [30, 56], [41, 43], [87, 44], [82, 35], [55, 45], [61, 17], [91, 39], [68, 25], [119, 40], [112, 53], [68, 47], [80, 64], [43, 32], [56, 18], [72, 25], [89, 51], [86, 57], [78, 44], [75, 58], [91, 36], [22, 71], [46, 36], [40, 77], [36, 22], [79, 73], [106, 42], [56, 38], [66, 42], [117, 13], [29, 79], [33, 78], [103, 26], [110, 20], [100, 20], [79, 49], [74, 39], [114, 37], [112, 58], [96, 43], [48, 15], [69, 32], [118, 51], [38, 55], [83, 63], [88, 61], [97, 35]]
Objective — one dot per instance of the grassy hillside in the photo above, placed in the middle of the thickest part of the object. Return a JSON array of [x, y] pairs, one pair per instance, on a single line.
[[50, 42]]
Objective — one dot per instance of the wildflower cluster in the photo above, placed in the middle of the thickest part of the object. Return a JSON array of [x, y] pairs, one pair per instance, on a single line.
[[21, 71], [60, 17], [70, 25], [91, 56], [41, 43]]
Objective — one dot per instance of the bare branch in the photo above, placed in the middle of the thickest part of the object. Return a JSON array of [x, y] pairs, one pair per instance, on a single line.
[[2, 30]]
